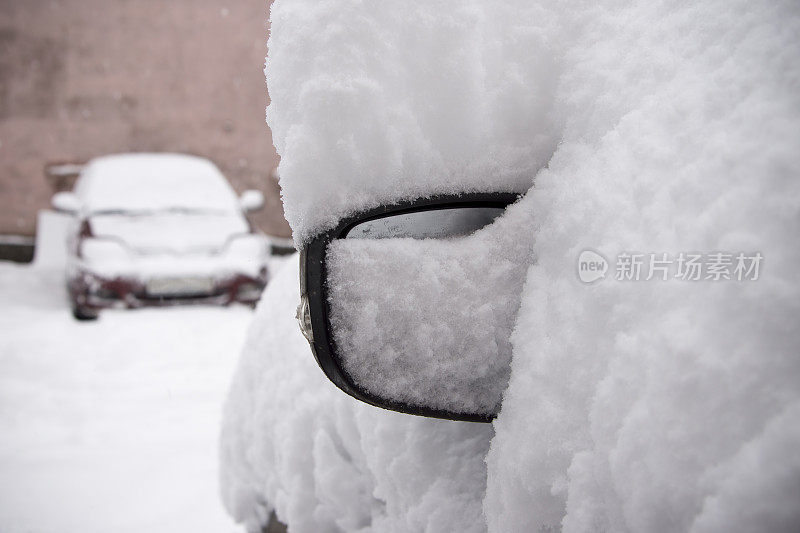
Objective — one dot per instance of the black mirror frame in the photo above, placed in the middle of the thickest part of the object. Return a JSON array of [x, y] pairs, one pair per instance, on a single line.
[[315, 307]]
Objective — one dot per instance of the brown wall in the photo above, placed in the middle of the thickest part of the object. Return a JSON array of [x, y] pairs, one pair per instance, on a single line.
[[83, 78]]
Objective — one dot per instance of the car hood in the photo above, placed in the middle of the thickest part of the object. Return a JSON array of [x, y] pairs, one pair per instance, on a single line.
[[170, 232]]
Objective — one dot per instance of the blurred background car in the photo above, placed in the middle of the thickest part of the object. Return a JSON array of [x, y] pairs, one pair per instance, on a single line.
[[160, 229]]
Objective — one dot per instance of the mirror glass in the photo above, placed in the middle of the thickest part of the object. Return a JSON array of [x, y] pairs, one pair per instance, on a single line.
[[427, 321], [431, 224]]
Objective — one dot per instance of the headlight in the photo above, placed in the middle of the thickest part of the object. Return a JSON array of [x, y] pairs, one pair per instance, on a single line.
[[247, 247], [103, 251]]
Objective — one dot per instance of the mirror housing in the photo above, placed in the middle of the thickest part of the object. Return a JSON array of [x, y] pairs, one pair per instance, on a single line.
[[251, 200], [66, 202], [315, 310]]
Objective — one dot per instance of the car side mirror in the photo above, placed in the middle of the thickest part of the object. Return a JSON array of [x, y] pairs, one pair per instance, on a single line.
[[401, 312], [251, 200], [66, 202]]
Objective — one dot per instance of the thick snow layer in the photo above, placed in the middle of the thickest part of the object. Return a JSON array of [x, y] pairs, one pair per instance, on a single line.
[[421, 338], [641, 406], [661, 406], [113, 425], [293, 442], [146, 182], [378, 102]]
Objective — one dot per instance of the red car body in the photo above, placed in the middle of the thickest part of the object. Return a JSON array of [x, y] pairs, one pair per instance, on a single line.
[[157, 230]]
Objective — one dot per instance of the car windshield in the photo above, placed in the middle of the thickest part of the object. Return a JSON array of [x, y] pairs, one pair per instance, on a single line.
[[177, 229]]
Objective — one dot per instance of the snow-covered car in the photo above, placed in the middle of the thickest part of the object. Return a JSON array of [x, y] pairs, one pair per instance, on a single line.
[[160, 229], [637, 394]]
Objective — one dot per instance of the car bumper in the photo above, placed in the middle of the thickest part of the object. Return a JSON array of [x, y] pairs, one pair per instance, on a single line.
[[93, 291]]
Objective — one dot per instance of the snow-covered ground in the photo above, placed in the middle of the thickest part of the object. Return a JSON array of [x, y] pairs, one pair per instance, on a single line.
[[113, 425]]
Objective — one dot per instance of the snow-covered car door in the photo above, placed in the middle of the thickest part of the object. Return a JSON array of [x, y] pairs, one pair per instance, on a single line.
[[634, 404]]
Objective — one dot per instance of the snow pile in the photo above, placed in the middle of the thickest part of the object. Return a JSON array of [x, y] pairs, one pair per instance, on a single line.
[[421, 338], [145, 182], [631, 406]]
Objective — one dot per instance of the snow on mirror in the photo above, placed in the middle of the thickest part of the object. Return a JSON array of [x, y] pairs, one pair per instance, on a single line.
[[415, 320]]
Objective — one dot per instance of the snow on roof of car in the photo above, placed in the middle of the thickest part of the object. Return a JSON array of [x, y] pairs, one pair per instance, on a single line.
[[142, 181]]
